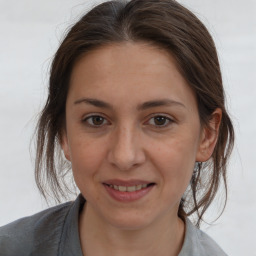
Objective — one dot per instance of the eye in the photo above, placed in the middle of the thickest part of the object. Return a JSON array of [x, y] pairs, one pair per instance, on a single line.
[[160, 121], [96, 121]]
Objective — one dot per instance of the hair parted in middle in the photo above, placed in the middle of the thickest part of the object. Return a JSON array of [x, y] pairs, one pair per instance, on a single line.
[[165, 24]]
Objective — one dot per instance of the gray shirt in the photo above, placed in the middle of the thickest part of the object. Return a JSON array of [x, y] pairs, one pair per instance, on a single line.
[[54, 232]]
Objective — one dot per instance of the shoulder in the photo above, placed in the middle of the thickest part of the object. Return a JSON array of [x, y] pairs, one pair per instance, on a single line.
[[198, 243], [23, 236], [208, 246]]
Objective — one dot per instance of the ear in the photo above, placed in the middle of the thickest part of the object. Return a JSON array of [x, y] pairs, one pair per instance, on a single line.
[[65, 145], [209, 137]]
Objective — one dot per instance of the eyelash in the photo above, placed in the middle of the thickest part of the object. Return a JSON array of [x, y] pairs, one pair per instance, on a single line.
[[166, 119], [86, 120]]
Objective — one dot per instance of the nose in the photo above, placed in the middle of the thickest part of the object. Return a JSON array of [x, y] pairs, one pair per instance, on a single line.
[[126, 149]]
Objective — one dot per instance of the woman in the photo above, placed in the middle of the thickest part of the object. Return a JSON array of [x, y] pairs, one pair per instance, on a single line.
[[136, 104]]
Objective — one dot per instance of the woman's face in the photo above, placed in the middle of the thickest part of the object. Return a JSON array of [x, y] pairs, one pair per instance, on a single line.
[[132, 134]]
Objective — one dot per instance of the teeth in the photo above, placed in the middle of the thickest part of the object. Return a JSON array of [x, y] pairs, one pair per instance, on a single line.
[[131, 189], [128, 189], [122, 188], [138, 187]]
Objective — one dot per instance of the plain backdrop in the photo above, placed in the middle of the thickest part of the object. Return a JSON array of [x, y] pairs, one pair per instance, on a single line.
[[30, 32]]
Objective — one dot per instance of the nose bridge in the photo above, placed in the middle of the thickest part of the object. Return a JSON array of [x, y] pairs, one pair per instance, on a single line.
[[126, 150]]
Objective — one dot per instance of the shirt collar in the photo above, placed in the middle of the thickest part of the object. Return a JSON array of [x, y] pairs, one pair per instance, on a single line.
[[70, 240]]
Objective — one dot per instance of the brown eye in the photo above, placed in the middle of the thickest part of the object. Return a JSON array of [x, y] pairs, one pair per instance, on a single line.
[[160, 121], [95, 120]]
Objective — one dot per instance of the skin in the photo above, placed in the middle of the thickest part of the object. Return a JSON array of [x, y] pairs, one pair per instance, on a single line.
[[128, 142]]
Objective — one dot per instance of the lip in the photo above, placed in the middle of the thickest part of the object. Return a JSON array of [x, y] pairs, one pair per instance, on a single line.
[[126, 183], [126, 197]]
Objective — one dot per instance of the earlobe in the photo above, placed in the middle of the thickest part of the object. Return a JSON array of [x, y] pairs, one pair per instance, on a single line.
[[209, 137], [65, 146]]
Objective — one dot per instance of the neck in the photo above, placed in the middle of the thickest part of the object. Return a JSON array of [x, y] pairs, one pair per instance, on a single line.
[[163, 238]]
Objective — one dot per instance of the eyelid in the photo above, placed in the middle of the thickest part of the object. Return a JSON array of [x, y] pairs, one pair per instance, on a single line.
[[168, 117], [91, 115], [148, 118]]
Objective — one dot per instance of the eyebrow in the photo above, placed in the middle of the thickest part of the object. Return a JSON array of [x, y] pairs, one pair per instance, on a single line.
[[94, 102], [159, 103], [143, 106]]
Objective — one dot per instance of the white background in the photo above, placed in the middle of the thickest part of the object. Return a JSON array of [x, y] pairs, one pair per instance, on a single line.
[[30, 32]]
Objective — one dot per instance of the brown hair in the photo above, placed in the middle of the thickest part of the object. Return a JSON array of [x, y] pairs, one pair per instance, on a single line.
[[163, 23]]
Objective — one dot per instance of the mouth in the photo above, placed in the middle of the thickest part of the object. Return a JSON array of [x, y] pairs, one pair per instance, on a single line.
[[128, 191], [123, 188]]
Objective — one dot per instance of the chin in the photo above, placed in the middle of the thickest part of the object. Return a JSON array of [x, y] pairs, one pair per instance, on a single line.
[[130, 221], [131, 224]]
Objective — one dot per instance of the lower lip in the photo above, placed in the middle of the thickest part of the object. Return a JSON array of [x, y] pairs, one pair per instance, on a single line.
[[127, 196]]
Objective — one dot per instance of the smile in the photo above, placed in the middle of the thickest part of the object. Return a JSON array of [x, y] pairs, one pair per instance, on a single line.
[[128, 191], [130, 188]]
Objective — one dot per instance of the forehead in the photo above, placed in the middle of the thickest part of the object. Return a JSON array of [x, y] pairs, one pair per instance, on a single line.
[[126, 58], [124, 69]]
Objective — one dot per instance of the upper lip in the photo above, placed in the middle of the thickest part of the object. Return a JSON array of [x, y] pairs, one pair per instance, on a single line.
[[126, 183]]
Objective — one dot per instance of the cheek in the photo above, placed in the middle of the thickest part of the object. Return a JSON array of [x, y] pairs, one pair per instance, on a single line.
[[86, 162], [86, 159], [175, 161]]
